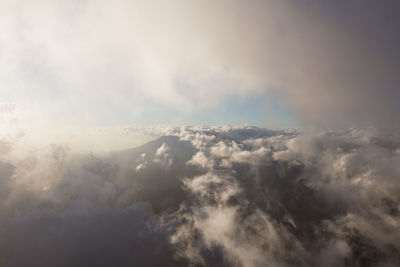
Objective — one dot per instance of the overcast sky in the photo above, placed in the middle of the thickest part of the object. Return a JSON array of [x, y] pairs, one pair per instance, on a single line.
[[267, 63]]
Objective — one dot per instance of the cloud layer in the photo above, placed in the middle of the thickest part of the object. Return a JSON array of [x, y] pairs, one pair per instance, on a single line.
[[332, 61]]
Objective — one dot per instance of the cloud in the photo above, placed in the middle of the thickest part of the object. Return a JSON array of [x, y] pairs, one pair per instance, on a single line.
[[201, 160], [162, 150], [259, 155], [283, 198], [243, 239], [341, 184], [331, 61], [163, 155], [142, 162]]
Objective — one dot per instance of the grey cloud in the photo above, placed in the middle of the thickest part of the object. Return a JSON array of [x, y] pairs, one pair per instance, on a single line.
[[332, 61]]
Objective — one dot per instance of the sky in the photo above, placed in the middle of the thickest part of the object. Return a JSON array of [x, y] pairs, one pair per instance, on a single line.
[[200, 133], [78, 64]]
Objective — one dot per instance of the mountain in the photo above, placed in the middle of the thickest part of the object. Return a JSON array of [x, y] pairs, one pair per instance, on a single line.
[[208, 197]]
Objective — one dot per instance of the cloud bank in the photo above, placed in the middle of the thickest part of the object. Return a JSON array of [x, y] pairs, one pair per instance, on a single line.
[[331, 61]]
